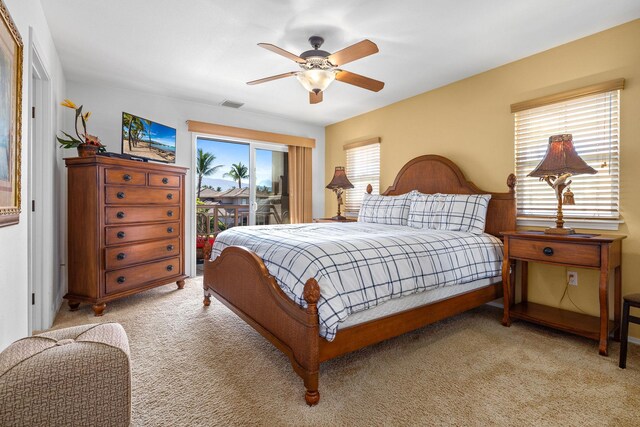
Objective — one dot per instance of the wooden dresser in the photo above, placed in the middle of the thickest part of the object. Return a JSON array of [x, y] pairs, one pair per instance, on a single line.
[[125, 228]]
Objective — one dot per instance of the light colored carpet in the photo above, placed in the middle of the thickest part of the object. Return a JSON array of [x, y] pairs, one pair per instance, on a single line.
[[196, 366]]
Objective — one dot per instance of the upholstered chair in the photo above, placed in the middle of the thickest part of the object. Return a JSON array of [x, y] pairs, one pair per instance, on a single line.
[[78, 376]]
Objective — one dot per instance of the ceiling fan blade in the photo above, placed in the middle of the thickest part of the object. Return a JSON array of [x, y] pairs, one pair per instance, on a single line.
[[280, 51], [358, 80], [353, 52], [315, 98], [276, 77]]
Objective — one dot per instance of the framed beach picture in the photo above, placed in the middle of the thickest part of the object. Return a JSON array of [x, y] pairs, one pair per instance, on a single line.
[[10, 118], [148, 140]]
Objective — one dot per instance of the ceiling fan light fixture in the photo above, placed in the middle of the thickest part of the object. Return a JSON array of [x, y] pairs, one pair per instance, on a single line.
[[316, 80]]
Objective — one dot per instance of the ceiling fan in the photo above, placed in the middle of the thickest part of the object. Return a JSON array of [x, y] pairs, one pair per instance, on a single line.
[[319, 68]]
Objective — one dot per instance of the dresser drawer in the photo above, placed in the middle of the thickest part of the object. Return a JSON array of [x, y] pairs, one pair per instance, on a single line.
[[124, 177], [134, 233], [124, 256], [558, 252], [141, 196], [164, 180], [133, 277], [126, 214]]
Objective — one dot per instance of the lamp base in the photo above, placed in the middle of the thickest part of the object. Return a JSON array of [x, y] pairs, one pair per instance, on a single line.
[[559, 231], [339, 218]]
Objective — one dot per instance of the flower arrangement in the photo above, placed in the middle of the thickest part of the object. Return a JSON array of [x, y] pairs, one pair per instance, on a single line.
[[83, 140]]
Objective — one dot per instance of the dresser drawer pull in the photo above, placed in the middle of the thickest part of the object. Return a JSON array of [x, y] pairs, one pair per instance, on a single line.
[[126, 177], [121, 279], [169, 229], [169, 196], [169, 248], [120, 195], [169, 213], [169, 267], [121, 234], [165, 180], [121, 256], [547, 251], [120, 214]]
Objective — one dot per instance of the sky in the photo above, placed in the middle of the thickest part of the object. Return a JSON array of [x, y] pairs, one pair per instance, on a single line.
[[163, 134], [229, 153]]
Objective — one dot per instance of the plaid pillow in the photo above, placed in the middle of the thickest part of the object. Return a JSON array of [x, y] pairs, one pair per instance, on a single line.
[[452, 212], [391, 210]]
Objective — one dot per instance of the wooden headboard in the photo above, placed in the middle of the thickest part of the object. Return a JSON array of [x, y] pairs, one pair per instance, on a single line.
[[436, 174]]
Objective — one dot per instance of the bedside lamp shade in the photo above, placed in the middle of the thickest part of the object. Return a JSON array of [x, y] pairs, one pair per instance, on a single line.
[[339, 183], [560, 162]]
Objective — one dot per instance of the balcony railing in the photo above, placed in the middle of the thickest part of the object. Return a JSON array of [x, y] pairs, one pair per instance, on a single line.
[[212, 219]]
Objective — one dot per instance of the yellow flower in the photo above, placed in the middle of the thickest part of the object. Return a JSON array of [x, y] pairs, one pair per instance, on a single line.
[[69, 104], [86, 115]]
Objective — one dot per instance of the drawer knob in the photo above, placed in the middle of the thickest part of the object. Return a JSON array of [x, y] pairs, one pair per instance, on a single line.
[[169, 196], [121, 279], [120, 214], [165, 180], [169, 229], [121, 256], [126, 177], [121, 234], [169, 267], [120, 195], [547, 251], [169, 213], [169, 248]]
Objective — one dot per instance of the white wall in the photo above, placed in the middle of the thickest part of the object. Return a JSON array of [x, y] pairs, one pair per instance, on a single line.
[[14, 290], [107, 103]]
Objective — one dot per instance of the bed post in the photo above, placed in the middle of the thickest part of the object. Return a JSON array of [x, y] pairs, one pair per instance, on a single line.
[[311, 295], [206, 257]]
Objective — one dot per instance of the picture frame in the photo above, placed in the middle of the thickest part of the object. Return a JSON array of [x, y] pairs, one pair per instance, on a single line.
[[11, 57]]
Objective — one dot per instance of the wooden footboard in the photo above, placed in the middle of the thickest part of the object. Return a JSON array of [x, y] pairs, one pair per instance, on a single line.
[[239, 279]]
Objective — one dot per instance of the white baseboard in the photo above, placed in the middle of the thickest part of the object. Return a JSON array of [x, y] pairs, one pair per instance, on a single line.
[[499, 305]]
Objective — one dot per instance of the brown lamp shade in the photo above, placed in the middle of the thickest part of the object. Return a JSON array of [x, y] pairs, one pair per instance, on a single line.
[[339, 180], [561, 158]]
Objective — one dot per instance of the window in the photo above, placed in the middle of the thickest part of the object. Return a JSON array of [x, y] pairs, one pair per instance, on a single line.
[[593, 120], [363, 168]]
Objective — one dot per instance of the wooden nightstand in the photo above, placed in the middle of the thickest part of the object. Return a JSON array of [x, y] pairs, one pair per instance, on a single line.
[[594, 251], [334, 220]]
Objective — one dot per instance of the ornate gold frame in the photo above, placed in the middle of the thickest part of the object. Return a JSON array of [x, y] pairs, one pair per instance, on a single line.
[[11, 214]]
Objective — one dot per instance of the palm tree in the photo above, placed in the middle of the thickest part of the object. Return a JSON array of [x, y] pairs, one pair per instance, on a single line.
[[238, 172], [204, 166]]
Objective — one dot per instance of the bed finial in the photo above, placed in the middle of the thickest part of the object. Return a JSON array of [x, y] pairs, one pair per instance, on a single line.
[[206, 250], [511, 182], [311, 294], [369, 188]]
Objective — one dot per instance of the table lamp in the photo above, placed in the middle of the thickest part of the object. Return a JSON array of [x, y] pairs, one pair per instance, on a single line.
[[560, 162], [338, 184]]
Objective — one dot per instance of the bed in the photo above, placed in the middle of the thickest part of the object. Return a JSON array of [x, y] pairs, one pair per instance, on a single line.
[[310, 329]]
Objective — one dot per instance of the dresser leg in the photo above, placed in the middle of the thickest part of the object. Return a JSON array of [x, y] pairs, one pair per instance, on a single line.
[[207, 300], [98, 309], [73, 305], [180, 284]]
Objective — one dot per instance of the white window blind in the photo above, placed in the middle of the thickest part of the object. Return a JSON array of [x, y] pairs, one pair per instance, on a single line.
[[594, 122], [363, 168]]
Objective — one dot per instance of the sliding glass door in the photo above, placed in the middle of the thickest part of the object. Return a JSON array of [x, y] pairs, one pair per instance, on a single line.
[[240, 183], [270, 187]]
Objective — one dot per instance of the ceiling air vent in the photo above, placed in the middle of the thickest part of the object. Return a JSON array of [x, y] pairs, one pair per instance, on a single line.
[[232, 104]]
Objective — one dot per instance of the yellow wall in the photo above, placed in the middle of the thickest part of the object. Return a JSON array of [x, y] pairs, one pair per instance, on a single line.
[[469, 121]]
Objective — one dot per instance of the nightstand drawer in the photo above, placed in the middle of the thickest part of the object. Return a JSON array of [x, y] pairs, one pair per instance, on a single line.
[[556, 252]]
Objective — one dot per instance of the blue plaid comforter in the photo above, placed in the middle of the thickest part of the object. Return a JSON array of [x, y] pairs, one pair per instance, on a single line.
[[360, 265]]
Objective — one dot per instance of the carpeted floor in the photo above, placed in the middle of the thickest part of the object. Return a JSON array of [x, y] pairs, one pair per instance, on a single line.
[[196, 366]]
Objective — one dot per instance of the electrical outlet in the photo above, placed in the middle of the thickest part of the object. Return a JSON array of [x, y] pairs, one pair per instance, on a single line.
[[572, 278]]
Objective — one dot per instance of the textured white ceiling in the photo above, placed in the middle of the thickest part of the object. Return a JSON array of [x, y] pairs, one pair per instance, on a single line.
[[205, 50]]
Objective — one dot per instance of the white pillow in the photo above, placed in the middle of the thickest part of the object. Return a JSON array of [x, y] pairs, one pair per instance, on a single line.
[[452, 212], [392, 210]]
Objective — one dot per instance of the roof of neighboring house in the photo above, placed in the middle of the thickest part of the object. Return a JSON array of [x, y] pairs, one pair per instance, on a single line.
[[232, 193]]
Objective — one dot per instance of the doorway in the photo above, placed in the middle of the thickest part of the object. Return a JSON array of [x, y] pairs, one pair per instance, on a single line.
[[42, 220]]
